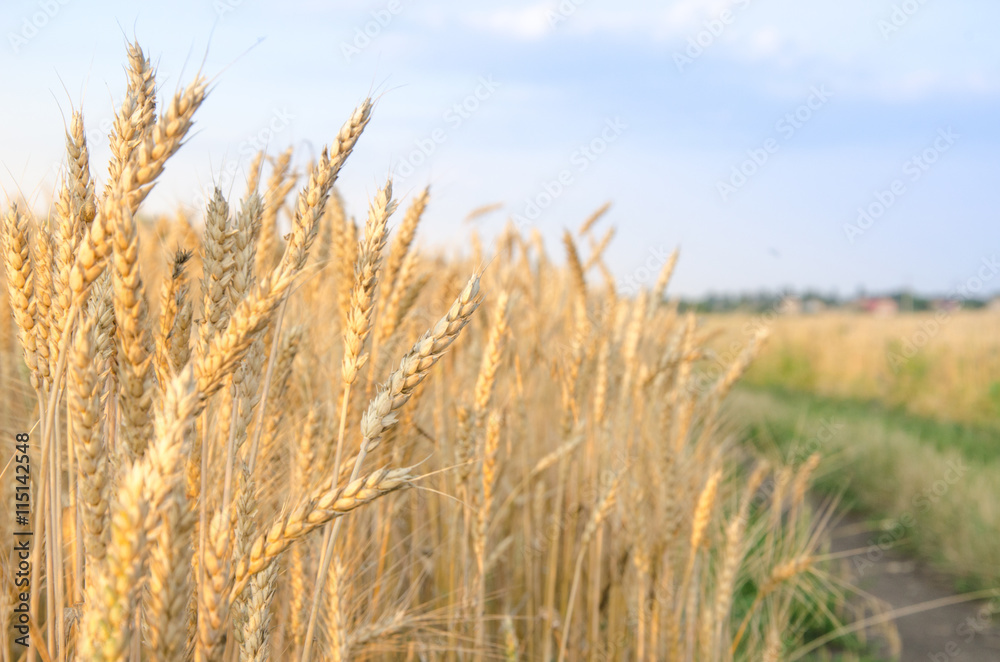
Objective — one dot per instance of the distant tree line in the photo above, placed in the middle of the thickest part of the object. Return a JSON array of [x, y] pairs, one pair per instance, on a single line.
[[813, 300]]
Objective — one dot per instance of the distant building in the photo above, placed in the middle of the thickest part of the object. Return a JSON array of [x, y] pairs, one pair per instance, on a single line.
[[951, 305], [881, 306]]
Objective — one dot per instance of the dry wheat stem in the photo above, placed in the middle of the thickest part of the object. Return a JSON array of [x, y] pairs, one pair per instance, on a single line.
[[380, 415], [358, 328], [598, 516]]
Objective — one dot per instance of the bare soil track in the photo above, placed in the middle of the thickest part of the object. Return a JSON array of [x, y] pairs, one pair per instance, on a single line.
[[956, 633]]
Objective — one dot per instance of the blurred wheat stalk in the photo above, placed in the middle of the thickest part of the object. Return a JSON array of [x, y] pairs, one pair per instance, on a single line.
[[221, 466]]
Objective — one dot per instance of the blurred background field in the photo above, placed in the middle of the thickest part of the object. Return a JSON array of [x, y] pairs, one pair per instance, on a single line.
[[902, 405], [940, 364]]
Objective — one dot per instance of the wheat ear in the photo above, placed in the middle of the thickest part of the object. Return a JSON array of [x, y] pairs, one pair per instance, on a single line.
[[735, 546], [591, 220], [213, 591], [106, 625], [175, 320], [74, 209], [359, 319], [404, 239], [135, 346], [313, 512], [85, 408], [280, 183], [20, 285], [413, 367], [136, 114]]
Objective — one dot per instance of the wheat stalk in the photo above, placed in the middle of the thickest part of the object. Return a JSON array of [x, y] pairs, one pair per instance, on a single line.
[[160, 527]]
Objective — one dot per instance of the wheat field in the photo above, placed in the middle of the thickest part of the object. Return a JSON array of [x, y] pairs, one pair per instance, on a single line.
[[939, 364], [269, 431]]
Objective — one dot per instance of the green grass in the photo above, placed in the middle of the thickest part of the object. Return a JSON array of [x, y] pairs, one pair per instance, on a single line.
[[978, 443], [937, 483], [902, 386], [816, 609]]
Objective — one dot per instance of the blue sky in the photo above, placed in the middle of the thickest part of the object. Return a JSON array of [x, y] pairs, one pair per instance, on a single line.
[[655, 106]]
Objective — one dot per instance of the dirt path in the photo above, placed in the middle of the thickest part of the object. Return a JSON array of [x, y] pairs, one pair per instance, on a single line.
[[956, 633]]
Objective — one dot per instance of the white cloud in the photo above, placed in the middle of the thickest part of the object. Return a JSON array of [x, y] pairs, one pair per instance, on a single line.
[[526, 23], [534, 21], [920, 84], [764, 42]]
